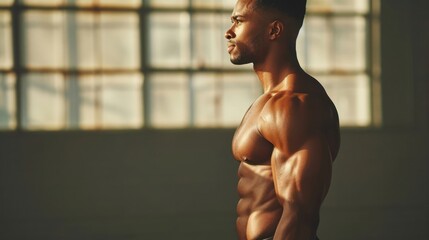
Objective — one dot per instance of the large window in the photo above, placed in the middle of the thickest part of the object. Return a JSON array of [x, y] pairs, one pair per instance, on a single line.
[[337, 45], [103, 64]]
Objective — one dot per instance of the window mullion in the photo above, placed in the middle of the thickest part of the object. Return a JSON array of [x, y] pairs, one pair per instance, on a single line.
[[144, 63], [191, 76], [71, 80], [373, 54], [17, 66]]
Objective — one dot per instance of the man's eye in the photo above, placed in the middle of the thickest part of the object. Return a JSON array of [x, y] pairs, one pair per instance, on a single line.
[[236, 21]]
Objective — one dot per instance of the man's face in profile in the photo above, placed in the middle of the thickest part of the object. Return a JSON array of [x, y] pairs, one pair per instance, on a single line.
[[246, 34]]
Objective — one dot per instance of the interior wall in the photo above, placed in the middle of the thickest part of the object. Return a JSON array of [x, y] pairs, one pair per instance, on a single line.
[[117, 185], [180, 184]]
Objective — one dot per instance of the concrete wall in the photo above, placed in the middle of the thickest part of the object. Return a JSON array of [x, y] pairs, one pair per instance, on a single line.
[[117, 185], [180, 184]]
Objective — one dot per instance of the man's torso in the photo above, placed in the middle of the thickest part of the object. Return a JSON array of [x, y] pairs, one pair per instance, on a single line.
[[258, 209]]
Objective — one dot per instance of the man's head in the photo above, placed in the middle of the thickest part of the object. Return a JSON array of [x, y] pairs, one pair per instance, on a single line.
[[257, 24]]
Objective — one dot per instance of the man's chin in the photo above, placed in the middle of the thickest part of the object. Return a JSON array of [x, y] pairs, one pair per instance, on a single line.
[[238, 61]]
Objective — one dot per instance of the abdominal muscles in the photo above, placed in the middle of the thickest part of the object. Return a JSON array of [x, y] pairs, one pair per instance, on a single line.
[[258, 208]]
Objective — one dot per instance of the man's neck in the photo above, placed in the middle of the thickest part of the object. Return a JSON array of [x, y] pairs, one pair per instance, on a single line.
[[273, 72]]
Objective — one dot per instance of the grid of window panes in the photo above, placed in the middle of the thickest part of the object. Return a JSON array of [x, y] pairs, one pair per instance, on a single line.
[[102, 64], [333, 46]]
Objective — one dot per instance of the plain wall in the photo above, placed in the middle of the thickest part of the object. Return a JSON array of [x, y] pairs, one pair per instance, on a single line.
[[181, 184]]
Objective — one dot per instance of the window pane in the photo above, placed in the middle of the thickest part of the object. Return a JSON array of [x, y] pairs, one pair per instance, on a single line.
[[351, 96], [214, 3], [222, 99], [169, 39], [6, 60], [209, 44], [337, 43], [7, 101], [119, 39], [169, 100], [121, 101], [44, 39], [109, 101], [238, 93], [207, 99], [349, 43], [43, 101], [6, 2], [360, 6], [104, 41], [86, 42], [169, 3], [115, 3], [84, 101], [317, 55], [42, 2]]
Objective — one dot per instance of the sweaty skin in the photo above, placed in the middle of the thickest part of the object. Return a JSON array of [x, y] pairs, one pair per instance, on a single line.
[[287, 140]]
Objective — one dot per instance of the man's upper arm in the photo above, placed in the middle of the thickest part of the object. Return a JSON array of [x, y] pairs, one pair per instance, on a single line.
[[301, 160], [303, 178]]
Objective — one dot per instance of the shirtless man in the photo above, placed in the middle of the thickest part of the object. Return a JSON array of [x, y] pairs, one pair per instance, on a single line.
[[289, 137]]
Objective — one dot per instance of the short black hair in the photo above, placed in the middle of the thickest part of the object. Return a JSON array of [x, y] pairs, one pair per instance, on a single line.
[[292, 8]]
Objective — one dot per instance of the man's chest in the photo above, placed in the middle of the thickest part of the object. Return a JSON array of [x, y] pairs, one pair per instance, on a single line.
[[248, 144]]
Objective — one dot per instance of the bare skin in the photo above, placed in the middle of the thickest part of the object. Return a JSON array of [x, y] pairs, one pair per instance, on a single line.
[[289, 137]]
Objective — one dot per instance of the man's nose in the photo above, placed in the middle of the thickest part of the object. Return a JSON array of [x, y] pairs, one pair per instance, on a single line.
[[229, 34]]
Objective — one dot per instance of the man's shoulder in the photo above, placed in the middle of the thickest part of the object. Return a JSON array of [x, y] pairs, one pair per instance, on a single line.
[[289, 105], [289, 119]]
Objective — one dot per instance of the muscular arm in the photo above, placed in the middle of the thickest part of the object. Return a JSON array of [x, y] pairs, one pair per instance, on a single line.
[[301, 163]]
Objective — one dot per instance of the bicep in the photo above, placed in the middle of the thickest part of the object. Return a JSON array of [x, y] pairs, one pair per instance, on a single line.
[[302, 178]]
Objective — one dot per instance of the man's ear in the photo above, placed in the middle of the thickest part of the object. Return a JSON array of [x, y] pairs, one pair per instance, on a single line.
[[276, 29]]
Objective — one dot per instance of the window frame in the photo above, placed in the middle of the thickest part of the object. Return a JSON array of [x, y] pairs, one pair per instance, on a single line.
[[18, 69]]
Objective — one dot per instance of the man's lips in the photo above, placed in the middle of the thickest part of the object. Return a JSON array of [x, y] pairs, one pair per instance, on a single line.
[[230, 47]]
